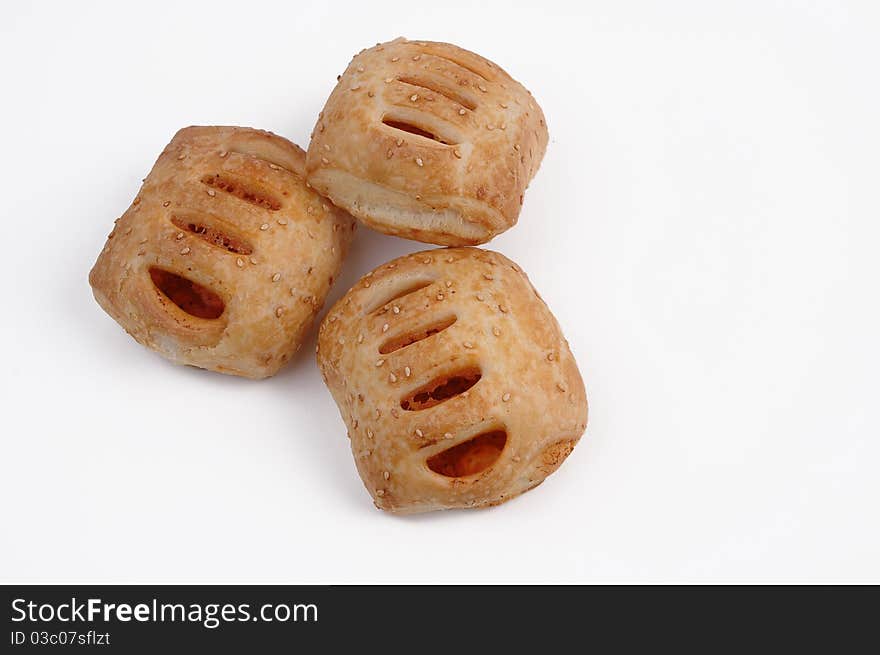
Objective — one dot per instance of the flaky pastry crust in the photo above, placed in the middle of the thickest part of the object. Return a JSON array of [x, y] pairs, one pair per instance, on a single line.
[[225, 257], [454, 380], [428, 141]]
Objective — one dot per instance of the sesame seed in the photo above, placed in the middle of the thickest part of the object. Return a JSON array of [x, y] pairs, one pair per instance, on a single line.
[[264, 227], [185, 251], [380, 492], [395, 309], [370, 94], [481, 88], [276, 277], [355, 87], [414, 97], [456, 153], [212, 193], [386, 475], [461, 112], [253, 260], [417, 57], [370, 434], [395, 59], [179, 236], [490, 127], [324, 160], [392, 377], [332, 319], [406, 371], [496, 331], [181, 157], [341, 341], [505, 397], [360, 338], [440, 296], [166, 203], [486, 276], [389, 80], [355, 424], [379, 362], [550, 357], [502, 105], [378, 413], [279, 311], [385, 328], [223, 154], [448, 283], [399, 142], [282, 221], [480, 297], [503, 309], [239, 262], [360, 69], [447, 435], [468, 344], [419, 433], [275, 167], [389, 154], [419, 161]]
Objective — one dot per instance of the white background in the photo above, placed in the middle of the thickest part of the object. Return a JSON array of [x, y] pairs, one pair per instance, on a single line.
[[704, 226]]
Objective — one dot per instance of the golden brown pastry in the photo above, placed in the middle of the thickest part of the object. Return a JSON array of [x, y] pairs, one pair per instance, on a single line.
[[428, 141], [225, 256], [454, 379]]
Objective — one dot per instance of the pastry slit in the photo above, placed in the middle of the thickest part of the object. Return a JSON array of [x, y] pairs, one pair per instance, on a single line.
[[189, 296], [243, 190], [414, 336], [441, 389], [442, 89], [216, 237], [400, 292], [469, 457]]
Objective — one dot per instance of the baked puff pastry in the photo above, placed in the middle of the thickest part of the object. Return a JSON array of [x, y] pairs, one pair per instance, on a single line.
[[225, 256], [428, 141], [454, 379]]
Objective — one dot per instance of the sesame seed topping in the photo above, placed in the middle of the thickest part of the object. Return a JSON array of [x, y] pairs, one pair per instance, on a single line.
[[447, 435], [212, 193], [481, 88], [480, 297], [486, 276], [389, 80], [419, 161], [385, 328], [253, 260], [223, 153], [324, 160], [378, 413], [462, 112], [282, 221], [181, 157], [360, 338], [456, 153], [370, 434], [355, 87], [239, 262], [279, 311], [468, 344], [395, 309], [448, 283], [419, 433], [503, 309], [166, 203], [379, 362], [399, 142], [505, 397], [360, 69], [276, 277], [275, 167], [179, 236], [392, 377], [386, 475], [417, 57], [341, 341], [440, 296], [414, 97], [502, 105], [550, 357], [406, 371], [395, 59], [185, 250], [496, 331], [264, 227], [380, 492]]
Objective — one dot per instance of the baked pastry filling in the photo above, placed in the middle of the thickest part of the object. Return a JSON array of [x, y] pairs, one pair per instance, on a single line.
[[190, 296], [469, 457], [441, 389]]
